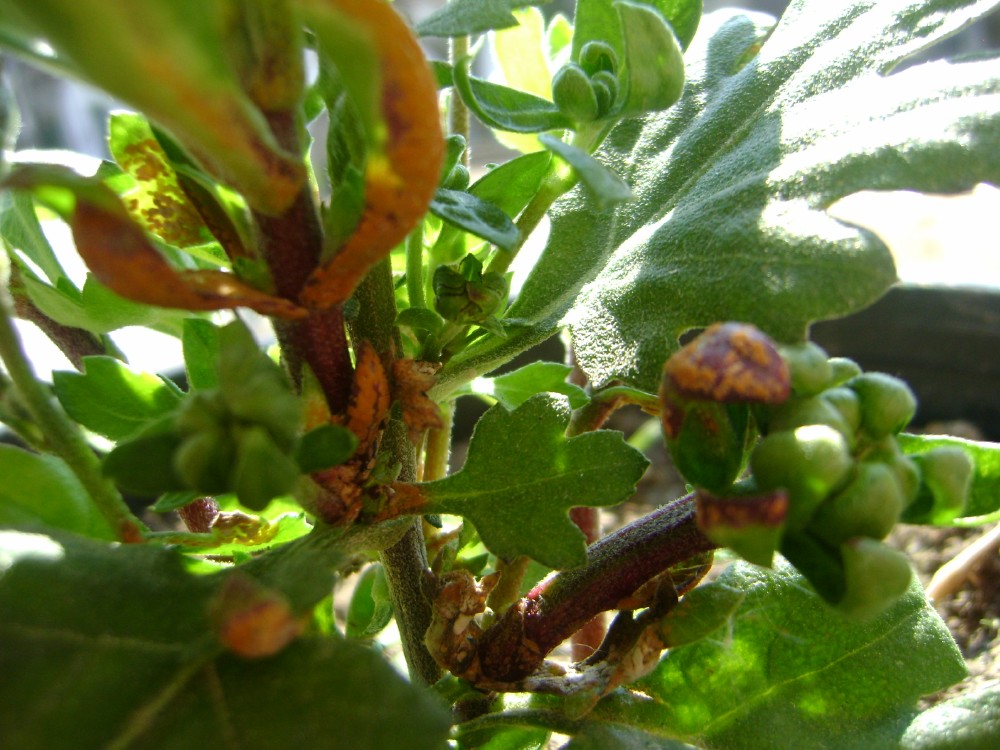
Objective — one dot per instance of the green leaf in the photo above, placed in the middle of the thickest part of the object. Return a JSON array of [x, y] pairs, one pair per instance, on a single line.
[[968, 722], [522, 475], [604, 186], [43, 490], [325, 446], [200, 342], [654, 65], [509, 186], [984, 495], [156, 199], [475, 216], [788, 666], [110, 646], [110, 399], [514, 388], [20, 230], [462, 17], [504, 108], [732, 185], [370, 609]]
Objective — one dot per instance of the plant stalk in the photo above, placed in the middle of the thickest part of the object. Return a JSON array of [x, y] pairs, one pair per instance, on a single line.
[[561, 604]]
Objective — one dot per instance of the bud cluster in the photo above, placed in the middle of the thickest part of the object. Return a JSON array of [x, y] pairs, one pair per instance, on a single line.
[[827, 478], [588, 91]]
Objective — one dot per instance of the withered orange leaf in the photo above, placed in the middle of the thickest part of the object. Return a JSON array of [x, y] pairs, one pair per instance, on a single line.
[[370, 400], [123, 259], [411, 381], [396, 195]]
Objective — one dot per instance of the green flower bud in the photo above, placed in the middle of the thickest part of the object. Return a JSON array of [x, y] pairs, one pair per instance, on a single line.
[[905, 469], [887, 403], [809, 463], [843, 369], [606, 90], [370, 609], [457, 178], [262, 471], [946, 474], [463, 300], [847, 403], [709, 448], [598, 56], [202, 411], [573, 93], [800, 412], [876, 576], [204, 460], [810, 369], [868, 506]]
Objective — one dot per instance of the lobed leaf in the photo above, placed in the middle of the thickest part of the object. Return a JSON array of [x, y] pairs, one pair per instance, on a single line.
[[522, 475], [731, 184], [788, 666]]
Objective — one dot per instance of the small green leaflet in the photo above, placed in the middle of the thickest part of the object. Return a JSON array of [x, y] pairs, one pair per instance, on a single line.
[[514, 388], [462, 17], [604, 186], [522, 476], [475, 216], [110, 399], [968, 722]]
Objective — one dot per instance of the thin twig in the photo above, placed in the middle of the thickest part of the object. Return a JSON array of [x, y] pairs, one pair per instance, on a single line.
[[951, 576]]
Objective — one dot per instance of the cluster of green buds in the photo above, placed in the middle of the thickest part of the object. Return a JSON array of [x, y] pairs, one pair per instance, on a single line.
[[238, 437], [468, 295], [827, 477], [588, 90]]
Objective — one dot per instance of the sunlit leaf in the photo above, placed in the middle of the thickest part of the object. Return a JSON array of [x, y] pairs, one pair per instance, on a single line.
[[605, 187], [732, 183], [788, 666], [522, 475], [475, 216], [159, 56], [984, 494]]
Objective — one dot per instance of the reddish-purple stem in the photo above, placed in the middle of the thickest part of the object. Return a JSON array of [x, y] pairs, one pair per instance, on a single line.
[[617, 566]]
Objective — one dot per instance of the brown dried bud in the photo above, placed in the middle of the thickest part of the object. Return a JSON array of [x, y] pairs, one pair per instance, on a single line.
[[728, 363], [198, 515], [251, 620]]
